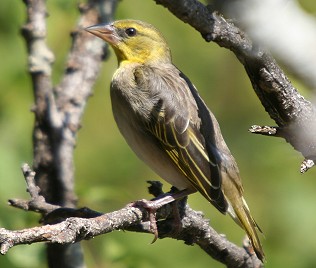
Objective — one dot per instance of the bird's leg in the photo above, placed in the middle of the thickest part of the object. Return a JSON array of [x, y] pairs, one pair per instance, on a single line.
[[153, 205]]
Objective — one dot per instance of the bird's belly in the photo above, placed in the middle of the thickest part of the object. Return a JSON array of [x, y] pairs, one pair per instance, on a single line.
[[145, 147]]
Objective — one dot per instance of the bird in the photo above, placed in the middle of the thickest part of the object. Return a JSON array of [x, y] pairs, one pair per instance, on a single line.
[[167, 124]]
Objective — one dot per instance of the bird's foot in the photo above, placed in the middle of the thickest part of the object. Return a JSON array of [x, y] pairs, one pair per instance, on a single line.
[[151, 208]]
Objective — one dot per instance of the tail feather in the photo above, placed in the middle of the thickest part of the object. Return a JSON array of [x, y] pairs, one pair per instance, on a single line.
[[241, 215]]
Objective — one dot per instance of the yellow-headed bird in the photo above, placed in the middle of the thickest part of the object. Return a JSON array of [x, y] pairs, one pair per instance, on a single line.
[[167, 124]]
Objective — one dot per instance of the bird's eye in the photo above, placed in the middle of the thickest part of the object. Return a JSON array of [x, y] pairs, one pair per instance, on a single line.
[[131, 32]]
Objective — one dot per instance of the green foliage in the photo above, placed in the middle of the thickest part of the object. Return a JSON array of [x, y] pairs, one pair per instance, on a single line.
[[108, 175]]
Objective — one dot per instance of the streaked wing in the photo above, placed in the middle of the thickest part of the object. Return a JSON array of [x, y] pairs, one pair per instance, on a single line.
[[175, 122]]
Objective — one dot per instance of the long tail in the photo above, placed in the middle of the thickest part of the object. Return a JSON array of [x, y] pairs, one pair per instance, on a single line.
[[241, 215]]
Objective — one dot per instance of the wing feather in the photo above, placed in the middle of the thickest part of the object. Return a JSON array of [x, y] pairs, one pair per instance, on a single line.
[[177, 124]]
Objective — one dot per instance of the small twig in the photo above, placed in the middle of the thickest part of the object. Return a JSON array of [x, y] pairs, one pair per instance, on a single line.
[[37, 202], [264, 130], [29, 176], [306, 165]]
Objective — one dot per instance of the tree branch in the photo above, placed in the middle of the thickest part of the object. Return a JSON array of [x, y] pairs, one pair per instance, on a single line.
[[85, 224], [58, 110], [271, 24], [295, 116], [37, 202]]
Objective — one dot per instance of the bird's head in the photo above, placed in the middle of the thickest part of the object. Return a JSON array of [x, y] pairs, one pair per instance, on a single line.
[[133, 41]]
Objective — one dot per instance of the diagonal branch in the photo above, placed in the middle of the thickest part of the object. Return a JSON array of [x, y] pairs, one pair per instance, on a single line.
[[295, 116]]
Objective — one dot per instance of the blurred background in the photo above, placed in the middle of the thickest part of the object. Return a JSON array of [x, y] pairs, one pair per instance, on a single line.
[[108, 175]]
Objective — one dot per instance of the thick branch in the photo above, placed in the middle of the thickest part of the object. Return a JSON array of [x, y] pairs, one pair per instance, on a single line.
[[195, 230], [295, 116], [275, 31], [67, 225], [40, 60], [68, 100], [58, 110]]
